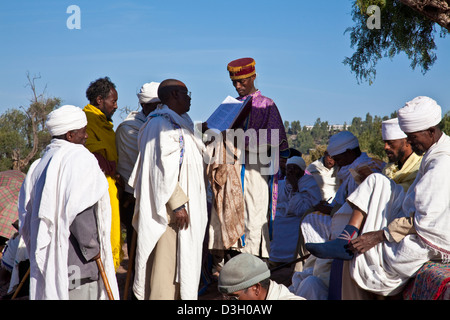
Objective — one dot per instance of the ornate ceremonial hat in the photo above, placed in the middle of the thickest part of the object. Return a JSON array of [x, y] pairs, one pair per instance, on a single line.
[[241, 68]]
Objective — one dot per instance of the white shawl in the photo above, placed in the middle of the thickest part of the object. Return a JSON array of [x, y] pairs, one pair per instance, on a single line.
[[386, 268], [432, 197], [326, 178], [60, 185], [154, 178]]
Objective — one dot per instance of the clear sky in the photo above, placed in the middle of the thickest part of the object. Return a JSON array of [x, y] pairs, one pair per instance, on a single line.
[[298, 46]]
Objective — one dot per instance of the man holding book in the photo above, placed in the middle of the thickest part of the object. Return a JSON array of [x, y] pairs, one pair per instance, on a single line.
[[257, 185]]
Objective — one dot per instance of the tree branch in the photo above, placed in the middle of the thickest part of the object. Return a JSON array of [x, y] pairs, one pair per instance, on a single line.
[[436, 10]]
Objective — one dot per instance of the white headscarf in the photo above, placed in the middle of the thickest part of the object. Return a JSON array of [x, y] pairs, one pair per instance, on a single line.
[[390, 130], [297, 161], [149, 93], [65, 119], [340, 142], [419, 114]]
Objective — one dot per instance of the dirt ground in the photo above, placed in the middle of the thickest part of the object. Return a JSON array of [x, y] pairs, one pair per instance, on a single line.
[[209, 292]]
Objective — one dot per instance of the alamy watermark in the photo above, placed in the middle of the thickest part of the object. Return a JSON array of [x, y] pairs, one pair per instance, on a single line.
[[374, 20], [259, 147], [74, 277], [74, 20]]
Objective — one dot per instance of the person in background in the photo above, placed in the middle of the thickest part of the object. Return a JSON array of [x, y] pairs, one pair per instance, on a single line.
[[102, 97]]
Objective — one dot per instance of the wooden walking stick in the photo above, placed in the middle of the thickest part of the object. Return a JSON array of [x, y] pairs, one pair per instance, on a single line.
[[104, 278], [25, 278], [130, 264]]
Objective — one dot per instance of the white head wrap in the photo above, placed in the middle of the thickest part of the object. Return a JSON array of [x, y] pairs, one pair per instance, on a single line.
[[65, 119], [297, 161], [149, 93], [390, 130], [340, 142], [419, 114]]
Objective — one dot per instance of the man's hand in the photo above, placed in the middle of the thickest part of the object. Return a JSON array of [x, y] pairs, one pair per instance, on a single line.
[[181, 219], [366, 241]]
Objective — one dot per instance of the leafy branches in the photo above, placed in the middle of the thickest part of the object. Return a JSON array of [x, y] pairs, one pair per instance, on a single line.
[[402, 30], [22, 131]]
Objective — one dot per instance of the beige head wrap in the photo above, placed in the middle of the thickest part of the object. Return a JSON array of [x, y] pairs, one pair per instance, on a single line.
[[65, 119], [390, 130], [149, 93], [297, 161], [342, 141], [419, 114]]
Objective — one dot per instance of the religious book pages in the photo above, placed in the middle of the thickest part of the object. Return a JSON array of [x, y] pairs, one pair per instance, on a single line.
[[228, 113]]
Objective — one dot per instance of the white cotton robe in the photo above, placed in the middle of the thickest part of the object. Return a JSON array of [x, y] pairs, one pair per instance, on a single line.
[[60, 185], [154, 179], [386, 268], [291, 207]]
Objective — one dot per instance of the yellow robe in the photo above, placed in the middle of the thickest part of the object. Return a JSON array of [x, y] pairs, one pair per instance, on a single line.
[[407, 174], [102, 140]]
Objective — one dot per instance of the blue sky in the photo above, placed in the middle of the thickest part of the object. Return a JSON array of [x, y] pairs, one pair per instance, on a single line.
[[298, 46]]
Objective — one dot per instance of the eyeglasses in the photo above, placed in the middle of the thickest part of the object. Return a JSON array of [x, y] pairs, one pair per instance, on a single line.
[[188, 93], [230, 297]]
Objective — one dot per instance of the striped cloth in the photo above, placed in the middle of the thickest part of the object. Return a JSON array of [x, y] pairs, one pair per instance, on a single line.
[[10, 183], [430, 283]]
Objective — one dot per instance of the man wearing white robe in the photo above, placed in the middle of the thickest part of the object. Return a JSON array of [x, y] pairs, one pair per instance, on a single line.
[[171, 210], [385, 268], [60, 186], [312, 277], [291, 206], [325, 171], [127, 150]]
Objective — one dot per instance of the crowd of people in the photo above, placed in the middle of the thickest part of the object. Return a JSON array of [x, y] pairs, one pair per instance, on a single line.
[[352, 226]]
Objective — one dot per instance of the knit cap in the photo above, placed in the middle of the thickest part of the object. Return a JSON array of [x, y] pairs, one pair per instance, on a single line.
[[242, 272]]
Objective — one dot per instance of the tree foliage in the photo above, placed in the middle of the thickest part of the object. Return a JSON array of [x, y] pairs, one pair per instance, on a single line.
[[403, 30], [23, 135]]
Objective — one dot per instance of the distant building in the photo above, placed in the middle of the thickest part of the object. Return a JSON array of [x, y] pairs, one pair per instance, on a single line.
[[339, 127]]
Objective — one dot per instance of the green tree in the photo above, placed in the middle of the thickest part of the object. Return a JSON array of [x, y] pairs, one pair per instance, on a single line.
[[403, 30], [22, 131]]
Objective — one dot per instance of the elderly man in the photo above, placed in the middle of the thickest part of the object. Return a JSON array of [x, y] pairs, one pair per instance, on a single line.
[[171, 213], [297, 193], [102, 96], [65, 215], [378, 202], [403, 161], [246, 277], [259, 188], [127, 150]]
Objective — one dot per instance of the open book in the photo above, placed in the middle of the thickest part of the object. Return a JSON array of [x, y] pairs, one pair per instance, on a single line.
[[231, 112]]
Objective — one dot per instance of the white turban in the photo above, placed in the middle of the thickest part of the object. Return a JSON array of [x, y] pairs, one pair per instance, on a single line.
[[390, 130], [65, 119], [340, 142], [149, 93], [297, 161], [419, 114]]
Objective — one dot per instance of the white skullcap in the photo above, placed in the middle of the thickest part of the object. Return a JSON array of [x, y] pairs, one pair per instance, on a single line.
[[297, 161], [419, 114], [390, 130], [149, 93], [65, 119], [340, 142]]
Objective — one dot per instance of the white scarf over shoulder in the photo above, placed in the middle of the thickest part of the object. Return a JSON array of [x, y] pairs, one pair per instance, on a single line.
[[63, 183], [154, 178], [432, 198]]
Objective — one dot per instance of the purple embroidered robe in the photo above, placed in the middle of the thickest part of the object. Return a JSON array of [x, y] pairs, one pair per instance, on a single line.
[[264, 114]]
